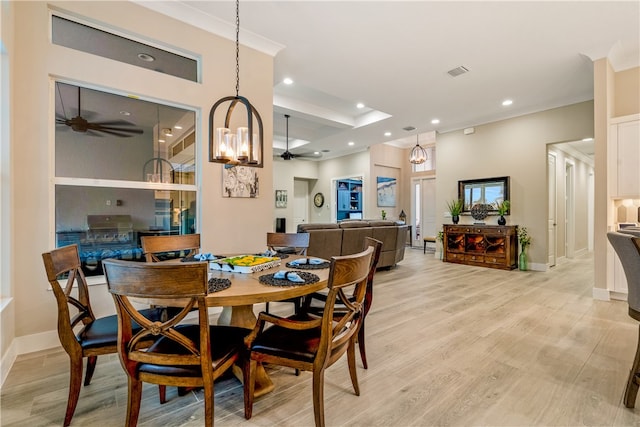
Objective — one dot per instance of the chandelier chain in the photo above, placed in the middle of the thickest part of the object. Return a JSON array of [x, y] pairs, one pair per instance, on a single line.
[[237, 47]]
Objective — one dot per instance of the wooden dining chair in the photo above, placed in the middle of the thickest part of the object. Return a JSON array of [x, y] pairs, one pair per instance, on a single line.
[[311, 343], [299, 243], [627, 247], [81, 334], [185, 245], [182, 354], [315, 302]]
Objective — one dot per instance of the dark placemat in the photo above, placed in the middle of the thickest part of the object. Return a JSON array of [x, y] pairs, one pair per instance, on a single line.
[[217, 284], [320, 266], [268, 279]]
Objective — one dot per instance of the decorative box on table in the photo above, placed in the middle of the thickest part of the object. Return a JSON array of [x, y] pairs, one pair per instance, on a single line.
[[244, 263]]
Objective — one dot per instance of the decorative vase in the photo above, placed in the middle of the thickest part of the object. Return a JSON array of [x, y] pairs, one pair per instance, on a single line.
[[522, 260], [455, 219], [502, 220]]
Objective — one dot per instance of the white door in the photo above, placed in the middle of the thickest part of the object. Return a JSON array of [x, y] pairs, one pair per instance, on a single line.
[[551, 221], [300, 204], [569, 209], [429, 226], [424, 210]]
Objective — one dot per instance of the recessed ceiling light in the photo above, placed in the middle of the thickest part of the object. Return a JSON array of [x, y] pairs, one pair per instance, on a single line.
[[178, 127], [387, 134], [287, 81], [146, 57], [507, 102], [352, 143], [316, 153], [161, 140], [435, 121], [587, 139], [360, 105], [125, 113]]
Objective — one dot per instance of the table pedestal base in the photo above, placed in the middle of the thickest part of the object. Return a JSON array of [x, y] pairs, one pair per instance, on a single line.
[[242, 315]]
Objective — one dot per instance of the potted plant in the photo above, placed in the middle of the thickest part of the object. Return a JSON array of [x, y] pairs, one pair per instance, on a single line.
[[455, 208], [503, 208], [384, 214]]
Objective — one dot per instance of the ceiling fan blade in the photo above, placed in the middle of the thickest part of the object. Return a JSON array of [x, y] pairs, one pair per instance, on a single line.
[[114, 123], [94, 133], [94, 126], [114, 133]]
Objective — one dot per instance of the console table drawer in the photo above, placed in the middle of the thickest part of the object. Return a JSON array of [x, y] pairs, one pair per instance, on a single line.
[[489, 259], [474, 258], [456, 257]]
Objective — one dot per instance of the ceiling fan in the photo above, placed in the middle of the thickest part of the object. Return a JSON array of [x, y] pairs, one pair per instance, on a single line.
[[288, 155], [80, 124]]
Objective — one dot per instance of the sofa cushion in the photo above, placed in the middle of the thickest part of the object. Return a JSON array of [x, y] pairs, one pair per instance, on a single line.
[[354, 224], [325, 243], [353, 239], [317, 226], [382, 223]]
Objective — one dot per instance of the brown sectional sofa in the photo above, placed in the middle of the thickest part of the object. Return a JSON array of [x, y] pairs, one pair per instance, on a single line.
[[346, 237]]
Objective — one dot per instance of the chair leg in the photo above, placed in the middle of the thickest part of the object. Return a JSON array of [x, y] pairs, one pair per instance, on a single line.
[[361, 346], [351, 359], [208, 403], [318, 397], [249, 379], [91, 367], [266, 307], [75, 383], [631, 392], [162, 393], [133, 402]]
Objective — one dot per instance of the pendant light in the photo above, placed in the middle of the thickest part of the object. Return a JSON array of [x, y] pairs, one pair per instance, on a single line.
[[418, 154], [242, 147], [158, 169]]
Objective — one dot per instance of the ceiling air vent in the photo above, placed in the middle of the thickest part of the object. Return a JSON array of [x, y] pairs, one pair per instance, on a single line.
[[457, 71]]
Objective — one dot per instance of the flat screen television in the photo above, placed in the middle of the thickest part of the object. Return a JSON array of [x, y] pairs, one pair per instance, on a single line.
[[487, 191]]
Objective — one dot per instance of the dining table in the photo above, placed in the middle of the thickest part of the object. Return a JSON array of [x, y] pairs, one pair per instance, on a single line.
[[246, 289]]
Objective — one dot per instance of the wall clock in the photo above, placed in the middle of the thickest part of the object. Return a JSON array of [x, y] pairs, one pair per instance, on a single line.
[[318, 200]]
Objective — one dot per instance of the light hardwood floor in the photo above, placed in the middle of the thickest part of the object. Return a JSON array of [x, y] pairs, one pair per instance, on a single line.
[[448, 345]]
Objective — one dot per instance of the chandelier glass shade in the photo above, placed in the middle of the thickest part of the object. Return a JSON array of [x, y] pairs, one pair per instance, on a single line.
[[244, 144]]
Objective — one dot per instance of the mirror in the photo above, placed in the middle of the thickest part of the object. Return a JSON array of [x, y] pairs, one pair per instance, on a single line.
[[489, 191]]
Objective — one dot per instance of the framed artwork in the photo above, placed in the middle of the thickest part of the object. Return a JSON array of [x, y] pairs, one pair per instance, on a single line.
[[239, 181], [386, 189], [281, 198]]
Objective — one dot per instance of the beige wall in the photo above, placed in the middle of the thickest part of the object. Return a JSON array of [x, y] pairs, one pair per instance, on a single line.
[[516, 148], [627, 92], [35, 61], [392, 162], [343, 167], [284, 174]]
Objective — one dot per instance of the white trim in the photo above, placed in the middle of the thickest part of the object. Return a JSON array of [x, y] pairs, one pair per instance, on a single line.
[[184, 12], [116, 183], [7, 362]]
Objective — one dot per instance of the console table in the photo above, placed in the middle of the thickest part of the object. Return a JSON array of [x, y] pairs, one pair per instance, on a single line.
[[494, 246]]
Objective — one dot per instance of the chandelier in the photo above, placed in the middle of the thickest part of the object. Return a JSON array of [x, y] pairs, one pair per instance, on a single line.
[[418, 154], [242, 146]]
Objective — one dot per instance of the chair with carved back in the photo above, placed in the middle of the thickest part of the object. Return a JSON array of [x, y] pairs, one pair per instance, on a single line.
[[81, 334], [315, 302], [311, 343], [159, 248], [627, 246], [298, 243], [183, 355], [186, 245]]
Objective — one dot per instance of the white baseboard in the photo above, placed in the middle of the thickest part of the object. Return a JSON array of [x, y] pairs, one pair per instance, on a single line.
[[27, 344], [7, 362]]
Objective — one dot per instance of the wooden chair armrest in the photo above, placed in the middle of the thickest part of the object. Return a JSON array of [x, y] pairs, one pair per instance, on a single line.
[[263, 318]]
